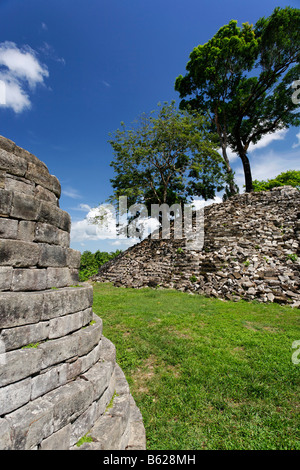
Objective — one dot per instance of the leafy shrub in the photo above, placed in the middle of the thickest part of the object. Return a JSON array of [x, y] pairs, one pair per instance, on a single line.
[[90, 262]]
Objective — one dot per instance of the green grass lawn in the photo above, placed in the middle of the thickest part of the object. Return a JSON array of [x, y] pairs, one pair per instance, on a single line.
[[205, 373]]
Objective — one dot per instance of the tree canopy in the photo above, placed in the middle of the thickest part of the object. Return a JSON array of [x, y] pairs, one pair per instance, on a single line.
[[242, 80], [166, 157], [286, 178]]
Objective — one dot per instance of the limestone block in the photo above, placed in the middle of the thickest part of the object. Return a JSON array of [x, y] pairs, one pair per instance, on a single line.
[[62, 326], [52, 256], [26, 230], [5, 277], [14, 395], [82, 424], [31, 424], [58, 277], [12, 164], [69, 402], [88, 337], [19, 253], [87, 316], [91, 358], [58, 350], [20, 364], [68, 300], [73, 258], [5, 202], [19, 185], [29, 279], [54, 216], [5, 435], [63, 238], [60, 440], [19, 336], [47, 381], [40, 175], [20, 308], [46, 233], [26, 208], [99, 375], [8, 228], [7, 144], [45, 195], [28, 157]]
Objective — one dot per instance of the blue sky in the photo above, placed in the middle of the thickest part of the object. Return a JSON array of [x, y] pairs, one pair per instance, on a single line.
[[76, 69]]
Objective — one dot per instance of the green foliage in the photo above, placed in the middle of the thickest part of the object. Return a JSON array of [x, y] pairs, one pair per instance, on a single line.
[[286, 178], [84, 439], [242, 79], [90, 262], [165, 157], [293, 257]]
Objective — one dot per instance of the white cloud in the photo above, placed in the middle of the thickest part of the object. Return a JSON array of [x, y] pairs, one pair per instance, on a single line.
[[297, 144], [71, 192], [44, 27], [21, 72]]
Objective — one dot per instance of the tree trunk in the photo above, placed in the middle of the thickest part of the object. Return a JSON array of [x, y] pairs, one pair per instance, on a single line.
[[247, 172], [232, 186]]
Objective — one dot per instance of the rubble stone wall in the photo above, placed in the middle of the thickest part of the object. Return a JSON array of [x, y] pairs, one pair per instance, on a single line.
[[251, 251], [59, 379]]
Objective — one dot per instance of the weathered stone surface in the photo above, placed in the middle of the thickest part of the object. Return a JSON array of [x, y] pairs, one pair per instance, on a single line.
[[5, 202], [54, 381], [63, 301], [12, 164], [32, 423], [14, 395], [58, 277], [19, 185], [29, 279], [19, 336], [20, 364], [62, 326], [73, 258], [5, 277], [69, 402], [25, 207], [20, 308], [52, 256], [5, 437], [60, 440], [8, 228], [26, 230], [49, 380], [18, 253]]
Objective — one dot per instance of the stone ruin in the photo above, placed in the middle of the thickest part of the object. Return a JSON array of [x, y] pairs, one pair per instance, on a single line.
[[251, 251], [59, 379]]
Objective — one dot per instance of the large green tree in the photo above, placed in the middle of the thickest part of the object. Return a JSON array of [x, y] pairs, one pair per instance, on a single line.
[[166, 157], [242, 79]]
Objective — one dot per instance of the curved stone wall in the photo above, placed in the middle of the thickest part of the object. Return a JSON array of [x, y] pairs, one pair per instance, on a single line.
[[59, 379]]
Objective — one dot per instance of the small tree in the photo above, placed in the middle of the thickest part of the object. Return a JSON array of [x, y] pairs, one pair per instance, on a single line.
[[166, 157]]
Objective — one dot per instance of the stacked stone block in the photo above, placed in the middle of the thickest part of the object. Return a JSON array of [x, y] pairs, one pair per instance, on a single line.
[[58, 373], [251, 251]]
